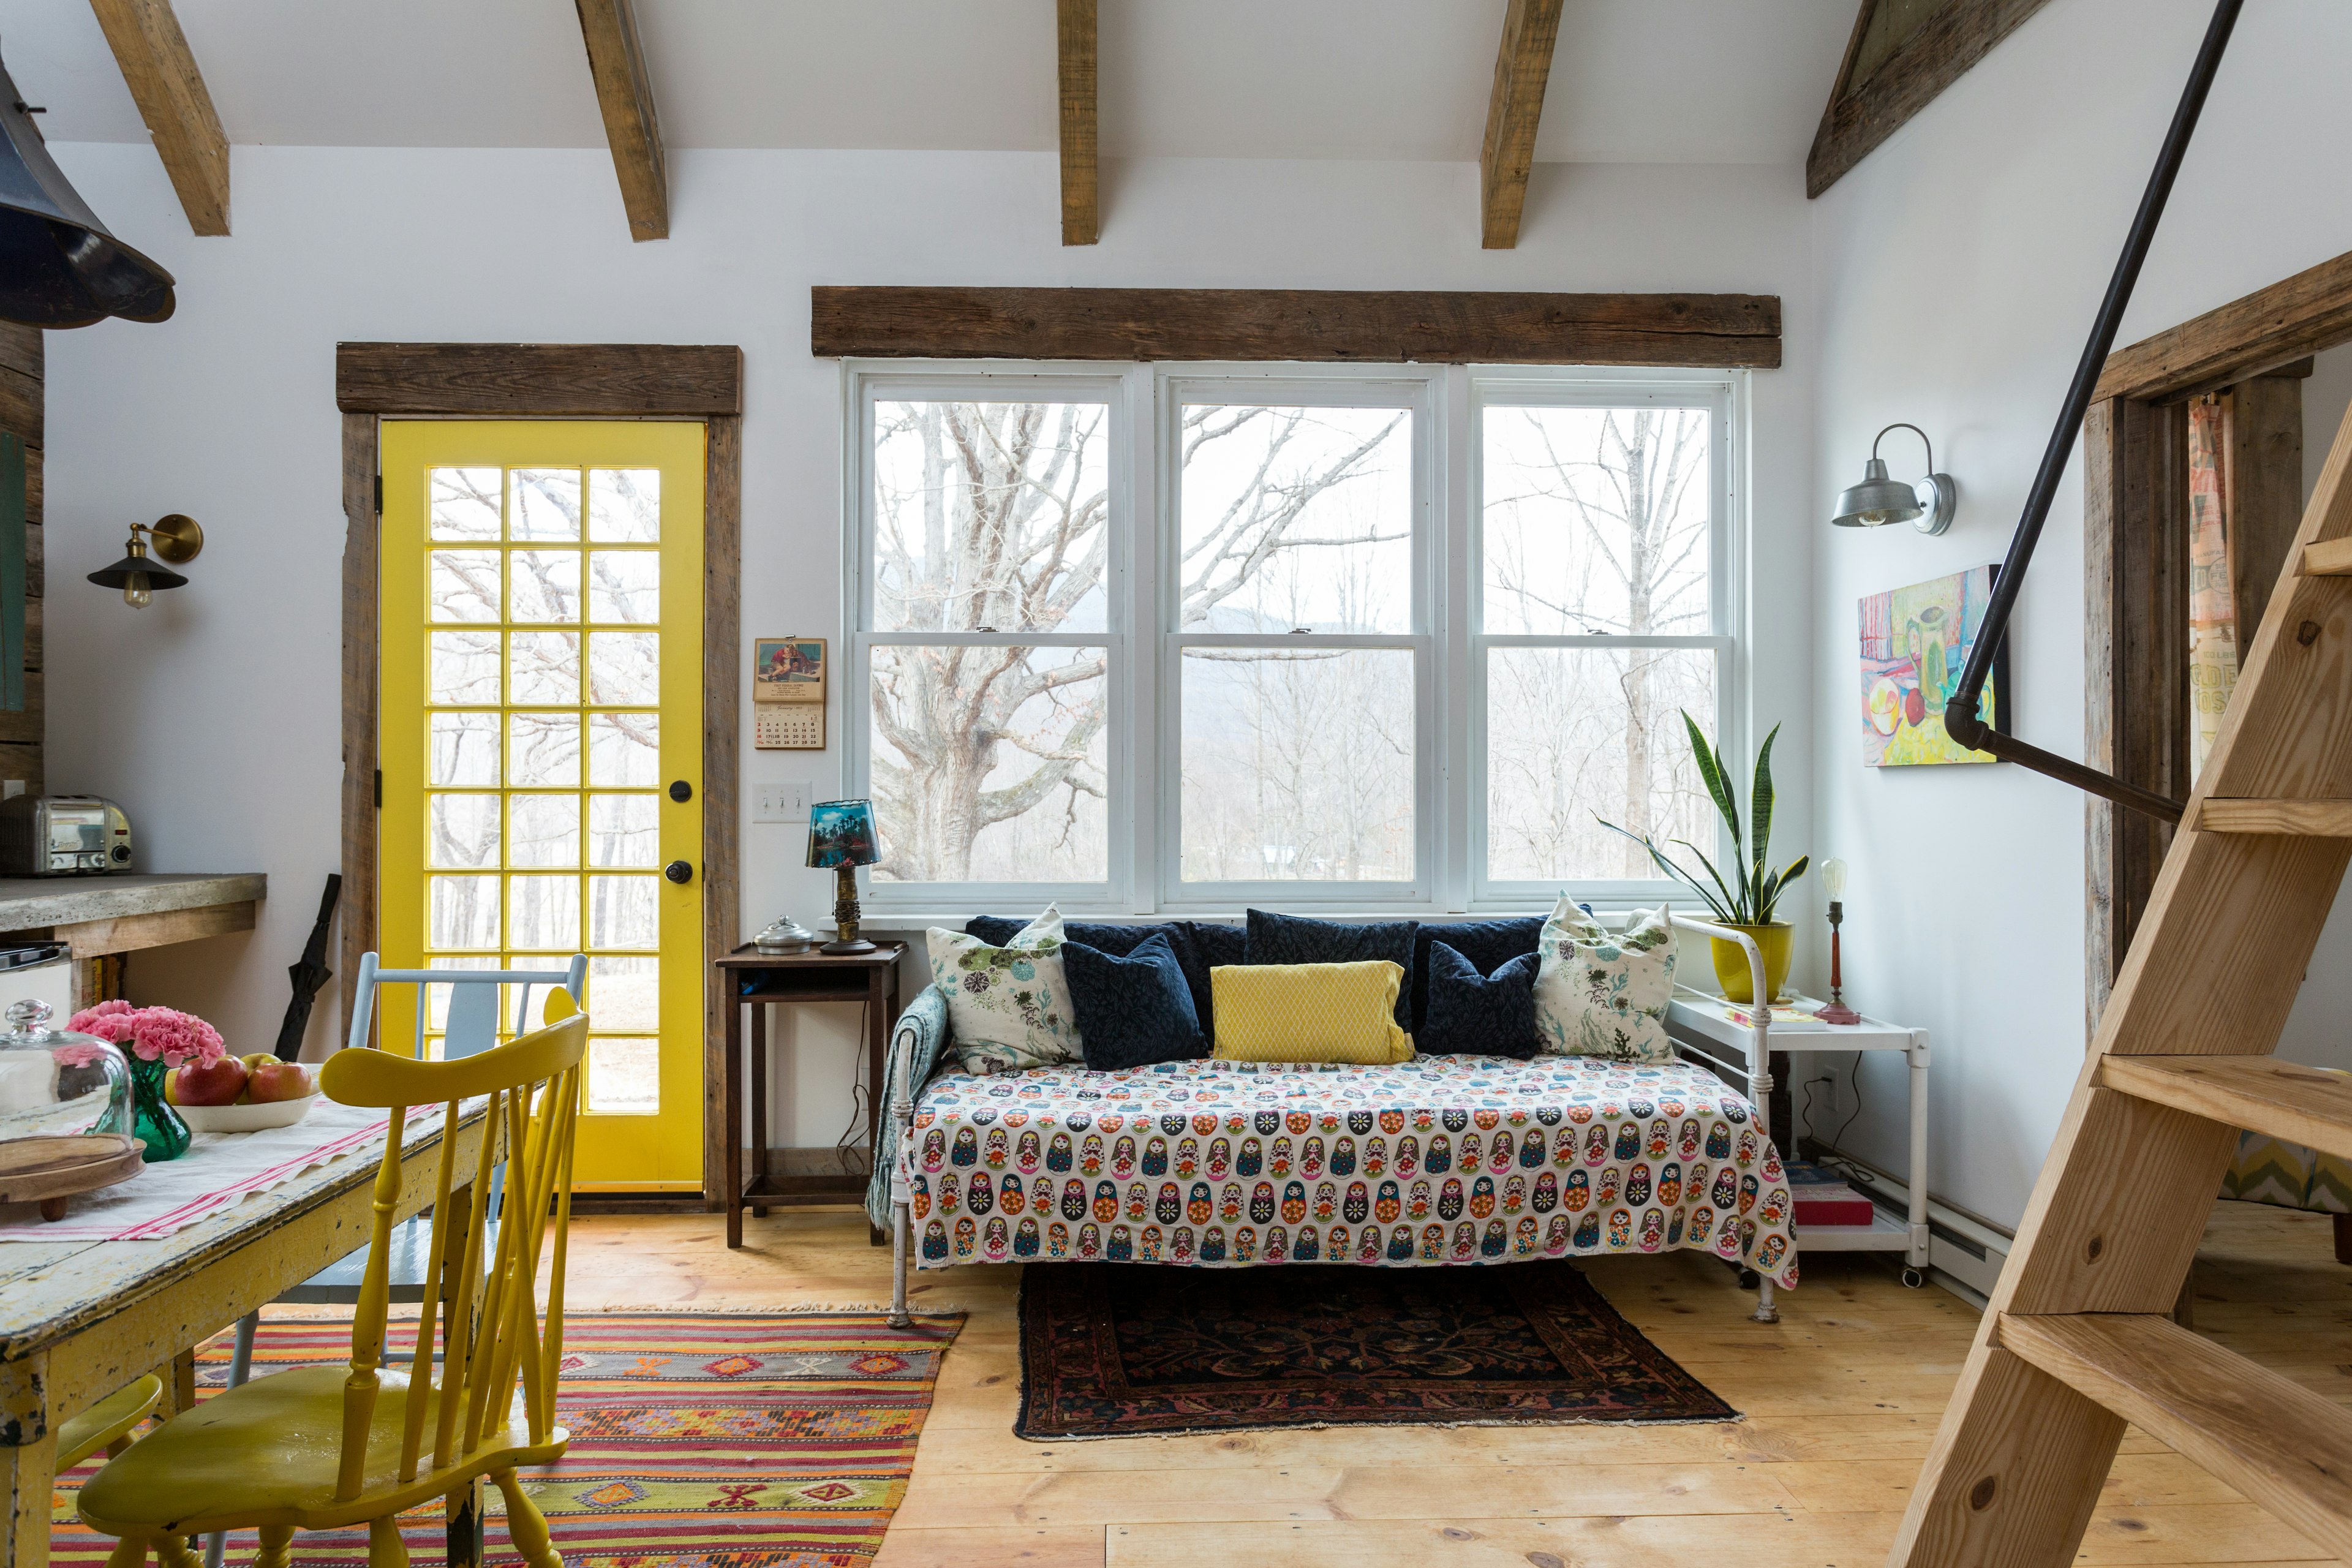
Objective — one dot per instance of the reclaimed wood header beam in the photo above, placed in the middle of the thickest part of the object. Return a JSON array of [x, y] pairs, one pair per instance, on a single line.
[[161, 74], [2264, 331], [1522, 68], [1073, 30], [624, 96], [1716, 331], [1898, 83], [516, 379]]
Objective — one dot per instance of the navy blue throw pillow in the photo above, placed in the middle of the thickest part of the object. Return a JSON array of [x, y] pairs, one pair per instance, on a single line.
[[1288, 939], [1488, 944], [1134, 1011], [1118, 941], [1471, 1014]]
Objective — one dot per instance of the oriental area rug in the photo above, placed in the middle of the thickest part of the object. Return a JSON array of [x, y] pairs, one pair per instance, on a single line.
[[1112, 1349], [698, 1440]]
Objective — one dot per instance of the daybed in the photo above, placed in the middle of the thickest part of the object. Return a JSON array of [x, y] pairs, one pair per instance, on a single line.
[[1441, 1160]]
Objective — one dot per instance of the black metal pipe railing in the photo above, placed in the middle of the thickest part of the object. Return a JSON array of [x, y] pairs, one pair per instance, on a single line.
[[1962, 719]]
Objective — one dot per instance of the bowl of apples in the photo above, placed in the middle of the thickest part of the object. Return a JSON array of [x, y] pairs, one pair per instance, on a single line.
[[241, 1094]]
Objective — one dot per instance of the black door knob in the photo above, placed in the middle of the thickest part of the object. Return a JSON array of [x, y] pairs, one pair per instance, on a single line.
[[680, 790], [679, 870]]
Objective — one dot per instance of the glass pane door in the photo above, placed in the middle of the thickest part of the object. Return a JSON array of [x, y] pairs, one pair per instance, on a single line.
[[540, 721]]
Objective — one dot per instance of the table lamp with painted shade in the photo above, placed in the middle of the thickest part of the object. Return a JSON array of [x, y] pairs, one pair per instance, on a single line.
[[841, 839], [1836, 1012]]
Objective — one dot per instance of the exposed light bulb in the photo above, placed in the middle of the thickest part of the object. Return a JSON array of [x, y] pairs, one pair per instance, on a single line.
[[135, 592], [1833, 878]]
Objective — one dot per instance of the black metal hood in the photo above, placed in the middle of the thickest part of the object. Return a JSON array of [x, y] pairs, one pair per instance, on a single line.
[[58, 266]]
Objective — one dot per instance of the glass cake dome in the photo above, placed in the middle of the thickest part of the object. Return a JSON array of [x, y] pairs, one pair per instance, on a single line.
[[55, 1083]]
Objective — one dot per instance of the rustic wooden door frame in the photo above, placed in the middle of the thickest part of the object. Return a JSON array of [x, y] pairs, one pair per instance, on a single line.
[[541, 381], [2135, 559]]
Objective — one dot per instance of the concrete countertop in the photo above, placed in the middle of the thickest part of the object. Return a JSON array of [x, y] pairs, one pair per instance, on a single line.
[[29, 902]]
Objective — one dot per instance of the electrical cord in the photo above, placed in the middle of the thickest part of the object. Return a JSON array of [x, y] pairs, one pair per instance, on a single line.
[[861, 1097]]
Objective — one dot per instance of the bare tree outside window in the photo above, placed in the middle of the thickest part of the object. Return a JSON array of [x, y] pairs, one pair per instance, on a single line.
[[1297, 759], [989, 754], [1598, 531]]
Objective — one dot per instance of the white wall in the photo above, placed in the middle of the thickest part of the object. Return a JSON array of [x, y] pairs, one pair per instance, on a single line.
[[212, 717], [1957, 269]]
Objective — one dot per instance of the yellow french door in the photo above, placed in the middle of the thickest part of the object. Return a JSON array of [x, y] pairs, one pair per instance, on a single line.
[[540, 733]]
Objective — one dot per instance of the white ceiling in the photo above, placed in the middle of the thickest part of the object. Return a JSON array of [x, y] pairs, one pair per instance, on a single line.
[[1715, 81]]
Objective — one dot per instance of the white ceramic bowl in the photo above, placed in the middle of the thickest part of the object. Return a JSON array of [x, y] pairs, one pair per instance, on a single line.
[[247, 1118]]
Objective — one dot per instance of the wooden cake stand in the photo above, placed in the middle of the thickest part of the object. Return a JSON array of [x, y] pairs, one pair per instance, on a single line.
[[49, 1170]]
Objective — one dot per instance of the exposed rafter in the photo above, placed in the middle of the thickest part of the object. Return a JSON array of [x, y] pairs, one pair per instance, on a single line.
[[169, 91], [1074, 28], [1901, 54], [624, 95], [1522, 67]]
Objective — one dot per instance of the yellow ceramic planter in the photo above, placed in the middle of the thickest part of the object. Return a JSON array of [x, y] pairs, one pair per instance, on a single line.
[[1731, 960]]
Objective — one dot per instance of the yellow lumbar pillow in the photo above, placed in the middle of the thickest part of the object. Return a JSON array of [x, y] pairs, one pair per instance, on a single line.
[[1308, 1012]]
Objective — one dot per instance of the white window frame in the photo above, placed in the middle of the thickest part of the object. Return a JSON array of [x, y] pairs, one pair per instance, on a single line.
[[1004, 383], [1416, 392], [1143, 656], [1723, 396]]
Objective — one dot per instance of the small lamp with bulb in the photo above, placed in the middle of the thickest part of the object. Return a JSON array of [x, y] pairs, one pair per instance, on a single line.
[[1836, 1012], [177, 538]]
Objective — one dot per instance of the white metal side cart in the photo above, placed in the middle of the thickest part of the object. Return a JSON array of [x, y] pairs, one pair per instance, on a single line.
[[1745, 1052]]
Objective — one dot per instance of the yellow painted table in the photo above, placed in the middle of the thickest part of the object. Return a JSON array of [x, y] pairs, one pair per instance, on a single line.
[[81, 1319]]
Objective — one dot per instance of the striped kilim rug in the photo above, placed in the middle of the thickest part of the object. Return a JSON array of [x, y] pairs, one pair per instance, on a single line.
[[698, 1440]]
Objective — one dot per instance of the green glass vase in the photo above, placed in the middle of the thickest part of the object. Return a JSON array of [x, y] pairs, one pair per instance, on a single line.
[[153, 1118]]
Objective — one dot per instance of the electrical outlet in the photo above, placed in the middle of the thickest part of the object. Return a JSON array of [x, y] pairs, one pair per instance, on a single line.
[[784, 801]]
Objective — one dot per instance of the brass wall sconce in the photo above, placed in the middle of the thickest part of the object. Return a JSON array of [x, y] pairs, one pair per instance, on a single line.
[[178, 539]]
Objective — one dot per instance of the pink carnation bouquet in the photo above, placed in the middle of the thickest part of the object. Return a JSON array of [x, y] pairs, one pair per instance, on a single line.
[[152, 1033]]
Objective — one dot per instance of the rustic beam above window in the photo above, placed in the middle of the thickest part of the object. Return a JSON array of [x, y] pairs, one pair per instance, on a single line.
[[517, 379], [1716, 332], [161, 72], [1074, 26], [1901, 54]]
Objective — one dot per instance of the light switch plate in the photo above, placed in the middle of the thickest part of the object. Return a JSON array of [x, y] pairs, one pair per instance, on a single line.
[[781, 801]]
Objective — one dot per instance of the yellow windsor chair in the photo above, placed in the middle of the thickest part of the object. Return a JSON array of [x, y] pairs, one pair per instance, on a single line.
[[329, 1447]]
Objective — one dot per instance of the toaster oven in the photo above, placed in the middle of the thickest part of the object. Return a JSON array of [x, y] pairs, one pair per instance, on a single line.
[[63, 836]]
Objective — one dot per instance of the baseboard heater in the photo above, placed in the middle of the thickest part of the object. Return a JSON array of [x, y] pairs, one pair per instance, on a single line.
[[1965, 1252]]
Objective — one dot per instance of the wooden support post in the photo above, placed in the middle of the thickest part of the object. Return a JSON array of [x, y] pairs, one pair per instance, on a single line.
[[624, 96], [1074, 32], [1522, 70], [161, 74]]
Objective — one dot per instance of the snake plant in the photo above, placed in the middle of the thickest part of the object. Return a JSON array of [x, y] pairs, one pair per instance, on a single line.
[[1749, 898]]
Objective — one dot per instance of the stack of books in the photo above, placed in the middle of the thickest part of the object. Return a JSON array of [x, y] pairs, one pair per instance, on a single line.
[[1823, 1198]]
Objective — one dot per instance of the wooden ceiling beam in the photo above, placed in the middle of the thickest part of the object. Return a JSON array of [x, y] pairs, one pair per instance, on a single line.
[[1074, 33], [624, 96], [161, 74], [1522, 68]]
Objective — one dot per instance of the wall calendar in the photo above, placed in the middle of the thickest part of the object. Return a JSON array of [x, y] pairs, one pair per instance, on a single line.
[[788, 681]]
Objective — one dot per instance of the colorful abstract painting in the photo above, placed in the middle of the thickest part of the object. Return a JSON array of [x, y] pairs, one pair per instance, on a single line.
[[1915, 642]]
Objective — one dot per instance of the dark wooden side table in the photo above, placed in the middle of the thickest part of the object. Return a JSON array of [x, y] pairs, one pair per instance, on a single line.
[[755, 981]]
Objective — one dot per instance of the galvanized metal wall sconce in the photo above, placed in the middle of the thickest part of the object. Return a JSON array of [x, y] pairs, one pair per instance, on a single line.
[[1926, 506], [178, 539]]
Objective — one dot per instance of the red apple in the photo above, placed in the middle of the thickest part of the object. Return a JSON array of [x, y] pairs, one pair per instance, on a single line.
[[217, 1084], [275, 1081]]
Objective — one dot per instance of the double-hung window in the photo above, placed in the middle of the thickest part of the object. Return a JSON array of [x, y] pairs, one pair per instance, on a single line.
[[1294, 598], [1603, 616], [990, 633], [1189, 638]]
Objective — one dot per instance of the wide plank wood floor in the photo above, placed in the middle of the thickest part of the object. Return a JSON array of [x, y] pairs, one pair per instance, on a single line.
[[1842, 1398]]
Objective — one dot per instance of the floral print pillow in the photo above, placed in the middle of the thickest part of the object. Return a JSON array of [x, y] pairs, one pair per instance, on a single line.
[[1008, 1007], [1603, 995]]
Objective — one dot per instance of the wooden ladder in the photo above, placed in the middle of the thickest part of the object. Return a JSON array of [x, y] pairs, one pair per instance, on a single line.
[[2078, 1338]]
